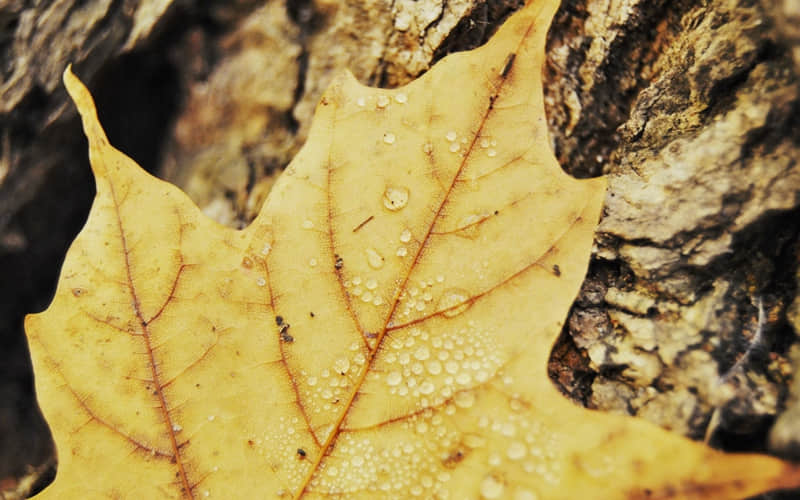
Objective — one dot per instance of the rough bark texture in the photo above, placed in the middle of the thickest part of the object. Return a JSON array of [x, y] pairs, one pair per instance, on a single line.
[[690, 312]]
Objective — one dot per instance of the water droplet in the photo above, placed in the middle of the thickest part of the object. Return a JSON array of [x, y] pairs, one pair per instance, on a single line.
[[361, 102], [473, 441], [484, 143], [367, 296], [525, 495], [341, 366], [176, 428], [211, 418], [394, 378], [307, 224], [357, 280], [401, 98], [374, 259], [389, 138], [440, 279], [371, 284], [312, 262], [491, 153], [434, 367], [378, 300], [451, 136], [463, 378], [453, 302], [382, 101], [395, 198], [422, 353], [454, 147], [508, 429], [261, 282], [491, 488], [312, 381], [516, 451], [427, 148], [464, 399], [402, 252], [266, 249], [426, 388]]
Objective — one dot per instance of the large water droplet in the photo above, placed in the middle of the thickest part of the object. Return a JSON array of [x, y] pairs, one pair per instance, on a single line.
[[405, 236], [374, 259], [341, 366], [394, 378], [525, 495], [516, 451], [426, 388], [491, 488], [453, 302], [395, 198], [464, 399], [474, 441]]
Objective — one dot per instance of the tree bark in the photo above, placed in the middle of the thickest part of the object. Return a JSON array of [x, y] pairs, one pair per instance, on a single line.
[[690, 313]]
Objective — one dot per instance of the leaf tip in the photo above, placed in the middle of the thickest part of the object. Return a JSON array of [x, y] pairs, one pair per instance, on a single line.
[[86, 108]]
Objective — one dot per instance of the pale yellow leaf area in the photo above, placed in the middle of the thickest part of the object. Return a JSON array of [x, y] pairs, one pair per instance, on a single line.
[[381, 330]]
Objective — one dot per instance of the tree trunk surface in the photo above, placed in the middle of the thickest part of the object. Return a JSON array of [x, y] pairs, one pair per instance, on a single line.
[[689, 316]]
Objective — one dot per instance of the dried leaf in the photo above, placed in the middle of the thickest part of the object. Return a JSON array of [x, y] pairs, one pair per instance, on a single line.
[[380, 331]]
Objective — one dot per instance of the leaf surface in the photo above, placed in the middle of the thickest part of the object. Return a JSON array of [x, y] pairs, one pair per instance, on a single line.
[[381, 330]]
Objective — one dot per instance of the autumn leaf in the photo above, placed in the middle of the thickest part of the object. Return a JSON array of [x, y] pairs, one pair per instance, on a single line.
[[381, 330]]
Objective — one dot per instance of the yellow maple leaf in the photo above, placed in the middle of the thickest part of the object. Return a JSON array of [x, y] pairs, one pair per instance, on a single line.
[[380, 331]]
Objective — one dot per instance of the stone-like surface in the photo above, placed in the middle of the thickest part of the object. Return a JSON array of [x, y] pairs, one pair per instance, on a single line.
[[691, 111]]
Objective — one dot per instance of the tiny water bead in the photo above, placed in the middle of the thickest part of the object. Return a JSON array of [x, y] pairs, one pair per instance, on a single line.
[[450, 299], [307, 224], [405, 236], [389, 138], [395, 198], [401, 98], [382, 101]]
